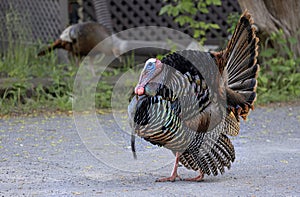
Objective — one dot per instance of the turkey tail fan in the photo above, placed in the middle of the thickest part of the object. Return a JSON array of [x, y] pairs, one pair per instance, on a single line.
[[57, 44], [240, 65], [211, 158]]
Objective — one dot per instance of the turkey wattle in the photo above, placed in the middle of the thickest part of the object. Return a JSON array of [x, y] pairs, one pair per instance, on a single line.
[[178, 106]]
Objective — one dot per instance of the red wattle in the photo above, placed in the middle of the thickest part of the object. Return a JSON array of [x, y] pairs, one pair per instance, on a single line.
[[139, 90]]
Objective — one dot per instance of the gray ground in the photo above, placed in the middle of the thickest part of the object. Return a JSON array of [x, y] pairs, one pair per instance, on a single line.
[[45, 156]]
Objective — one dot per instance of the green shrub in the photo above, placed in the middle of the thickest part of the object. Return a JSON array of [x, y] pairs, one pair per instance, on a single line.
[[184, 12], [279, 78]]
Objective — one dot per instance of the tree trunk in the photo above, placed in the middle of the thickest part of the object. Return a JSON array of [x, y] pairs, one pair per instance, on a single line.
[[272, 15]]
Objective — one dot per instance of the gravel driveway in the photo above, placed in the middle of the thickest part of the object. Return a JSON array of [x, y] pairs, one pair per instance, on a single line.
[[47, 156]]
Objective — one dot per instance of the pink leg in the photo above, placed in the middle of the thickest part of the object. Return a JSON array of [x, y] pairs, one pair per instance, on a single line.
[[197, 178], [174, 174]]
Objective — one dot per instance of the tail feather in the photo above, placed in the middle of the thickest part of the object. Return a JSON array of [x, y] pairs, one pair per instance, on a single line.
[[239, 61], [211, 157], [219, 161], [247, 85], [249, 96], [243, 59], [55, 45], [249, 73]]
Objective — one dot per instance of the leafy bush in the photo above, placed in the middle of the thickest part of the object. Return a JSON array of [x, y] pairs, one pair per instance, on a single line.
[[233, 19], [279, 79], [184, 12]]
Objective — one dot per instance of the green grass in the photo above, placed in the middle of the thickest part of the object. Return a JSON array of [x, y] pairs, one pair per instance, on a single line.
[[19, 67]]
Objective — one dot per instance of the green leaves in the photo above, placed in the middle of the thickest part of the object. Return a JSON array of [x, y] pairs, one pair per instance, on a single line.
[[214, 26], [279, 79], [183, 20], [184, 12], [233, 19], [268, 52], [169, 9], [213, 2]]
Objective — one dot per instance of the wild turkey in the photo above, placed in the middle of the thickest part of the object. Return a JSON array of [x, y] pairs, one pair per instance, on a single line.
[[81, 38], [182, 105]]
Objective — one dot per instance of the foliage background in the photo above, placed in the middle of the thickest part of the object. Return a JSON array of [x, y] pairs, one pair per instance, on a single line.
[[20, 69]]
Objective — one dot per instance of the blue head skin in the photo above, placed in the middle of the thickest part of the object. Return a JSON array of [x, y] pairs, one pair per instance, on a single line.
[[152, 69]]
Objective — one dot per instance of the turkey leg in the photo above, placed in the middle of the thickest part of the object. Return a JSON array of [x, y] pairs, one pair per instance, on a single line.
[[174, 174], [197, 178]]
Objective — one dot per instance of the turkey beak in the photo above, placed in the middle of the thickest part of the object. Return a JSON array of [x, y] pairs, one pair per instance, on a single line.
[[158, 64]]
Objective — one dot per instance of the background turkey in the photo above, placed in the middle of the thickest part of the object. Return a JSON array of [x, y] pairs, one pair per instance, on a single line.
[[179, 102], [83, 38]]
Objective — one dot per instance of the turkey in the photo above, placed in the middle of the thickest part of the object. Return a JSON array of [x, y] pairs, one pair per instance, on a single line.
[[79, 39], [184, 105]]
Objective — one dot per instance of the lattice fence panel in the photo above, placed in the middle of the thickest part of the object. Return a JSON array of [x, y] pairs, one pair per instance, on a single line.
[[133, 13], [31, 20]]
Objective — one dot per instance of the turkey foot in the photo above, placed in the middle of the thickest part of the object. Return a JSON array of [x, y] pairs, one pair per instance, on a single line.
[[174, 174], [197, 178], [172, 178]]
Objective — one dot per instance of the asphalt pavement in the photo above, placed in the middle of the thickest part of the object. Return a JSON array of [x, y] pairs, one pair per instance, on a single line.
[[55, 155]]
